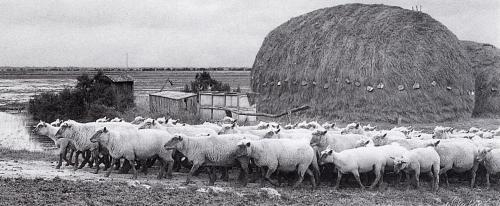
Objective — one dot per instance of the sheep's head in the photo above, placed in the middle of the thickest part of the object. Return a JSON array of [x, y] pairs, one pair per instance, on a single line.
[[353, 128], [274, 125], [228, 129], [161, 120], [289, 126], [262, 125], [482, 152], [174, 142], [400, 163], [148, 124], [138, 120], [380, 139], [326, 156], [116, 119], [328, 125], [364, 143], [40, 128], [317, 138], [100, 135], [64, 130], [56, 123], [369, 128], [271, 133], [244, 148]]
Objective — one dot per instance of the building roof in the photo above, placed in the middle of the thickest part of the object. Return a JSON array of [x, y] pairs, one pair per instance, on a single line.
[[120, 77], [174, 94]]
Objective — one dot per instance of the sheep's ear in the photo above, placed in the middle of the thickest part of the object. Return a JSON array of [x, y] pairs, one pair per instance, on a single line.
[[104, 130], [277, 131], [330, 152], [153, 122], [393, 158], [436, 143], [385, 135], [248, 144], [324, 132], [233, 125], [357, 125]]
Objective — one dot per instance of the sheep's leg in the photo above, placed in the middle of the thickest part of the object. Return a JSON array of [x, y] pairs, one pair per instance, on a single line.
[[488, 180], [243, 177], [86, 156], [70, 162], [262, 179], [76, 159], [132, 164], [302, 169], [377, 177], [64, 150], [107, 162], [109, 171], [356, 176], [398, 178], [97, 165], [474, 170], [60, 160], [339, 177], [225, 174], [313, 179], [446, 179], [212, 176], [169, 165], [270, 171], [417, 179], [195, 167], [125, 167]]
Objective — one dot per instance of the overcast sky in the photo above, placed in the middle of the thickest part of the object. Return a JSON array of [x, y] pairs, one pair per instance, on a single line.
[[178, 33]]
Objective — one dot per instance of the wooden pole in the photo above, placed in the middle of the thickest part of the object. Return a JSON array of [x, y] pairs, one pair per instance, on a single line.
[[297, 109]]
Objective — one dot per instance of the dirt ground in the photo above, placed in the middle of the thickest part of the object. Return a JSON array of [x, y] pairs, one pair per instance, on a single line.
[[30, 182]]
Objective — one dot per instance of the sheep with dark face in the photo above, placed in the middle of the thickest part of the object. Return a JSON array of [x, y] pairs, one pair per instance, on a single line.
[[209, 151], [133, 144], [281, 155]]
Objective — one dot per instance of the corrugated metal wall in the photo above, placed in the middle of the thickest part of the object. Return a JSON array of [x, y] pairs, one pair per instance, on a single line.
[[210, 101]]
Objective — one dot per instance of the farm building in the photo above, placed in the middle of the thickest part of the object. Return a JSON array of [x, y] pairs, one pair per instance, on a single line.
[[123, 87], [213, 104], [173, 103], [485, 59], [358, 62]]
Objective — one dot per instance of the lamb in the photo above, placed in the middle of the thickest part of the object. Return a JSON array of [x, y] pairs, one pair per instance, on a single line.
[[235, 129], [136, 145], [63, 144], [420, 160], [353, 128], [490, 158], [209, 151], [282, 155], [80, 134], [187, 130], [355, 161]]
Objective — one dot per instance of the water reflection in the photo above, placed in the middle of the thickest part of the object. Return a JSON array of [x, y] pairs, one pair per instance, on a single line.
[[15, 133]]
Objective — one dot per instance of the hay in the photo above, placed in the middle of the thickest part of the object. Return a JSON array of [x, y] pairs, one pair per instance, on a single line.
[[373, 45], [485, 61]]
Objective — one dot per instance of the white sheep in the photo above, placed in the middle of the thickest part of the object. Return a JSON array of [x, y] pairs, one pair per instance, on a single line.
[[420, 160], [459, 155], [490, 158], [283, 155], [138, 120], [56, 123], [161, 120], [63, 144], [383, 139], [328, 126], [136, 145], [338, 142], [187, 130], [356, 161], [116, 119], [101, 120], [80, 133], [352, 128], [208, 151]]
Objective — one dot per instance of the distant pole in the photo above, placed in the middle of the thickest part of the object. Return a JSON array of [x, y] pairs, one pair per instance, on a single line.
[[127, 59], [420, 7]]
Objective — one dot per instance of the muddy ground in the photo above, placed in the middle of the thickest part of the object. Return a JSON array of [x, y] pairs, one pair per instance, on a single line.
[[31, 182]]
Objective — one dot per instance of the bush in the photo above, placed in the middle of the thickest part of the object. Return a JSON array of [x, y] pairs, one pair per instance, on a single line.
[[204, 82], [91, 98]]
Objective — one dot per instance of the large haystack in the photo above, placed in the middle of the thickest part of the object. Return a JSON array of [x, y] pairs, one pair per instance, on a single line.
[[330, 58], [485, 59]]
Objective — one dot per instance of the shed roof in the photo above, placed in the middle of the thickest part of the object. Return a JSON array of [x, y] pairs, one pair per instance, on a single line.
[[120, 77], [174, 94]]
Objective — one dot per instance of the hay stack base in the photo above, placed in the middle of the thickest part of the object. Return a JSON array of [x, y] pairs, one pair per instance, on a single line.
[[353, 47]]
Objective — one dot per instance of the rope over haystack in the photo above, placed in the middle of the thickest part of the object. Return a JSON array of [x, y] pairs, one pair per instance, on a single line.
[[371, 44]]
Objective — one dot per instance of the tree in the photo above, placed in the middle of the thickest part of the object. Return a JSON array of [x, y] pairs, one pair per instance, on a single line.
[[204, 82]]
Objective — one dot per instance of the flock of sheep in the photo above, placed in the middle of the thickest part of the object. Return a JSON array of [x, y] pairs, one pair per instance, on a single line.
[[273, 150]]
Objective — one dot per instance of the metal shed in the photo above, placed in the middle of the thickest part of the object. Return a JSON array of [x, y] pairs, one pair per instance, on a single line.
[[173, 103], [212, 106]]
